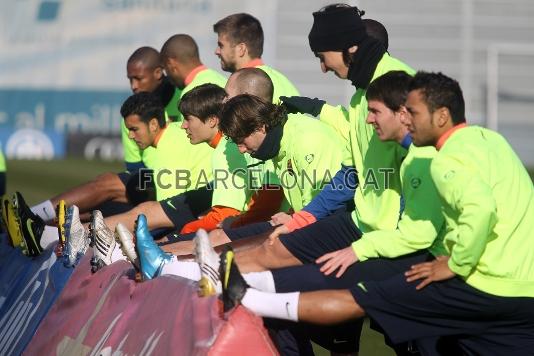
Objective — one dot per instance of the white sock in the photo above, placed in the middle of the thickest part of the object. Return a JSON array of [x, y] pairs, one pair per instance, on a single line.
[[273, 305], [263, 281], [49, 236], [189, 270], [117, 255], [45, 210]]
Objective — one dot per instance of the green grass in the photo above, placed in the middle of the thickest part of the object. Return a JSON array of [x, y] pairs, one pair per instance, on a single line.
[[371, 343], [40, 180]]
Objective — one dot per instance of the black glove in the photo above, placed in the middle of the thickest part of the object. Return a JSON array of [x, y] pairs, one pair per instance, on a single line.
[[302, 104]]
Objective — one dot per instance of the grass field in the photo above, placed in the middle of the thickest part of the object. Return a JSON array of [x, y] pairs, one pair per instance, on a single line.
[[39, 180]]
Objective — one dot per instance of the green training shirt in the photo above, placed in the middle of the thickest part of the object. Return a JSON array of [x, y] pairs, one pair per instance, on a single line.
[[230, 176], [178, 165], [282, 86], [421, 225], [310, 155], [377, 197], [205, 76], [488, 203]]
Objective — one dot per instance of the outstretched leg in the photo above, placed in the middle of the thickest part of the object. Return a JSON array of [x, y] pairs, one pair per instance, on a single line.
[[105, 187]]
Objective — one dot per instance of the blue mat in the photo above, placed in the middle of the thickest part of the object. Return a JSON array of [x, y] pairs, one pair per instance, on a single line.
[[28, 288]]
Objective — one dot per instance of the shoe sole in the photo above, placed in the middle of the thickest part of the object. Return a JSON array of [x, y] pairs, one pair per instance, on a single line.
[[228, 265], [101, 247], [13, 229], [66, 227], [206, 287], [61, 217], [31, 243], [122, 244]]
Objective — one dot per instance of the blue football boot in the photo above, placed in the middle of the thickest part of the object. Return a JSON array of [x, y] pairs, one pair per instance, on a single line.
[[151, 256]]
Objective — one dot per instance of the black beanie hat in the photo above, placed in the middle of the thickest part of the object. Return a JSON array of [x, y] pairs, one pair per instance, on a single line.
[[336, 29]]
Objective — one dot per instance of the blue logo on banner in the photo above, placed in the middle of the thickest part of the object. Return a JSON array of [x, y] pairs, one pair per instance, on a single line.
[[34, 123], [32, 144], [48, 10]]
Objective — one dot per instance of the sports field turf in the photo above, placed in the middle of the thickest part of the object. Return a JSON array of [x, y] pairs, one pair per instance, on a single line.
[[39, 180]]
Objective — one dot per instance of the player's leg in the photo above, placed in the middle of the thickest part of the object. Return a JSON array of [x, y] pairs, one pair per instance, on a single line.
[[301, 246]]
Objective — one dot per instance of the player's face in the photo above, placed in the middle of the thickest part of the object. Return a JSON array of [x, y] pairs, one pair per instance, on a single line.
[[196, 130], [139, 131], [143, 78], [333, 61], [387, 123], [226, 52], [252, 142], [420, 120]]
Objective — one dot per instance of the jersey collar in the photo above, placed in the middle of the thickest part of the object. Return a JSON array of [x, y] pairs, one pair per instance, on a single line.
[[254, 63], [215, 141], [191, 76], [448, 134], [158, 136]]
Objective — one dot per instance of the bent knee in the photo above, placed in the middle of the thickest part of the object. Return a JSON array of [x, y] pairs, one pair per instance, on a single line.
[[147, 207], [110, 183], [276, 255]]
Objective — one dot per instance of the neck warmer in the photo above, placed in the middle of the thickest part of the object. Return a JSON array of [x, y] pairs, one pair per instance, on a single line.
[[364, 62], [164, 91], [270, 146]]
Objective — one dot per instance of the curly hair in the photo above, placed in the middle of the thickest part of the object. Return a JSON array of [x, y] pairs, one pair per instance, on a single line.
[[245, 114]]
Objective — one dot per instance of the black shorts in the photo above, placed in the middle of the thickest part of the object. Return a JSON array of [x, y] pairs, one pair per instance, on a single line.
[[343, 338], [329, 234], [308, 277], [186, 207], [481, 323], [2, 183], [250, 230], [124, 176]]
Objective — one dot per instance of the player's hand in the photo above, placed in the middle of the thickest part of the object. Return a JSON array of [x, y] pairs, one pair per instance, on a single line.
[[282, 229], [302, 104], [437, 270], [280, 218], [338, 260]]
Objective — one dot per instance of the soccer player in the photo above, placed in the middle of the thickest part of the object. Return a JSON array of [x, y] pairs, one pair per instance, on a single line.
[[145, 74], [383, 253], [481, 295], [231, 189], [302, 166], [240, 45], [180, 58], [377, 196]]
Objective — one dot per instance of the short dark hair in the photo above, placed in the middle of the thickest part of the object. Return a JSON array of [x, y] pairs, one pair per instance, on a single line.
[[146, 105], [242, 28], [203, 101], [148, 56], [391, 89], [440, 91], [182, 48], [245, 114]]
